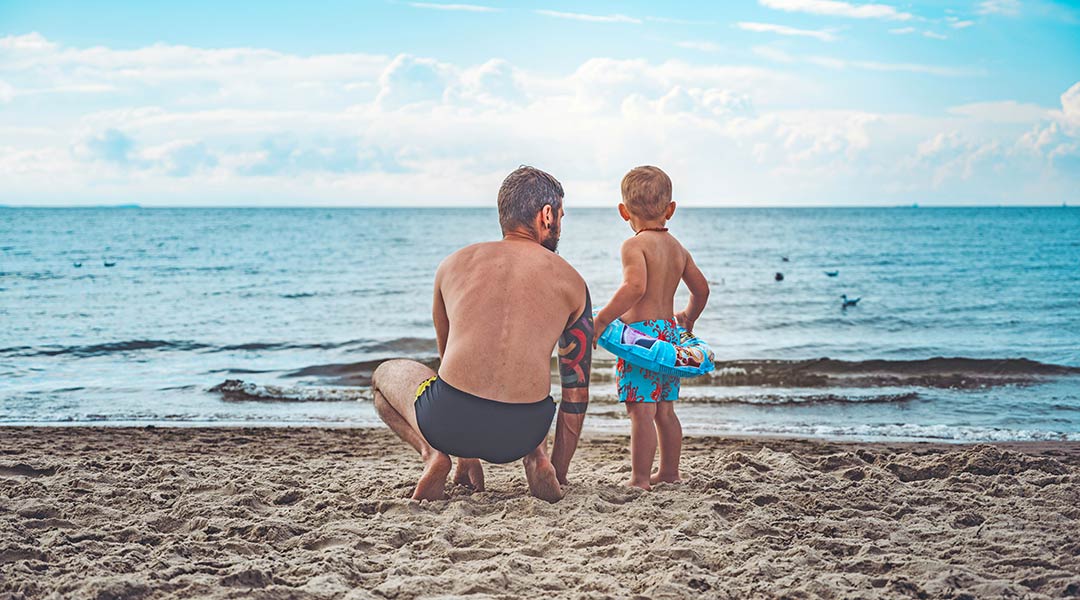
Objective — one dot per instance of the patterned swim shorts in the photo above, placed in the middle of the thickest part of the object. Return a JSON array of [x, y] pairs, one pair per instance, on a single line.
[[637, 384]]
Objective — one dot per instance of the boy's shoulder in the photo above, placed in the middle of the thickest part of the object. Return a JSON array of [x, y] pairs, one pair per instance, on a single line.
[[645, 242]]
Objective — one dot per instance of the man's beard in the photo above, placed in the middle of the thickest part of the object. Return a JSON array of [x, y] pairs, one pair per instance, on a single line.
[[551, 242]]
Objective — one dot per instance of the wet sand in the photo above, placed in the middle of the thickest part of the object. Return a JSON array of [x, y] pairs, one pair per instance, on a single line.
[[323, 513]]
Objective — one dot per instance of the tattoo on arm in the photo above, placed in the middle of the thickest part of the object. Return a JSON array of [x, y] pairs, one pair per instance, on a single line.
[[575, 349]]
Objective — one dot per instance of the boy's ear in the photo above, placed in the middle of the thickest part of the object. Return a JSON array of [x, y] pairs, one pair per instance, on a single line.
[[625, 214], [670, 210]]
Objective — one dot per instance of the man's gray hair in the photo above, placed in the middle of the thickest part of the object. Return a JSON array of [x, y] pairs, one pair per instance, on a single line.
[[524, 193]]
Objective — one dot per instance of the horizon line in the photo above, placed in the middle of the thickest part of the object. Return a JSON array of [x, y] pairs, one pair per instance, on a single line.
[[486, 206]]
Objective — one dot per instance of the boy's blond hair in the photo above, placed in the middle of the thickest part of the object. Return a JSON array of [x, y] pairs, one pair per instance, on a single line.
[[646, 192]]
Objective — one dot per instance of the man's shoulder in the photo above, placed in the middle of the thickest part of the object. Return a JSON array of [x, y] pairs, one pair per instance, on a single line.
[[566, 270], [464, 254]]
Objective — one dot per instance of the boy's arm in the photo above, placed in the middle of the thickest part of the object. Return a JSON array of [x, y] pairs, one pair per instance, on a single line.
[[631, 290], [575, 368], [699, 294]]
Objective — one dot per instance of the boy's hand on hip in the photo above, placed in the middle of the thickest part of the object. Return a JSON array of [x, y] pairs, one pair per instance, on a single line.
[[684, 321]]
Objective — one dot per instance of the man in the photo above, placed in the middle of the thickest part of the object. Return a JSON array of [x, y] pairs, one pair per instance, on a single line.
[[500, 308]]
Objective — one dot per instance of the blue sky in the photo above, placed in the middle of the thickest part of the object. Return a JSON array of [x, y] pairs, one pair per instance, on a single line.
[[766, 102]]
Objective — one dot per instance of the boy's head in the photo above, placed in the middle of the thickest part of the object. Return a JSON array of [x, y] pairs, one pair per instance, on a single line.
[[646, 194]]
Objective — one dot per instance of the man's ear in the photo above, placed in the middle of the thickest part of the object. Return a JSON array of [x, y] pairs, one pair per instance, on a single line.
[[670, 210], [547, 216], [625, 214]]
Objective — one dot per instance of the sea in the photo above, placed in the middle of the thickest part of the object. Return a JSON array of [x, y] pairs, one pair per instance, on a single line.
[[967, 327]]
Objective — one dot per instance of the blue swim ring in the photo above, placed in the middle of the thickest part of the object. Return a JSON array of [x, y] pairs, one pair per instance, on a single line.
[[691, 357]]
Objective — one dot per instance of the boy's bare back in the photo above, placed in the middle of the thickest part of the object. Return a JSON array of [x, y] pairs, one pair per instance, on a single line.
[[665, 262]]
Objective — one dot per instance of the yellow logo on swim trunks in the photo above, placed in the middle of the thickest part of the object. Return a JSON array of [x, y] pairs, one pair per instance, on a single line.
[[424, 385]]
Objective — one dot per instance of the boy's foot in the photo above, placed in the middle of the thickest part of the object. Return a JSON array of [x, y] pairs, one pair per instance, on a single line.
[[540, 474], [638, 484], [432, 484], [470, 473], [665, 478]]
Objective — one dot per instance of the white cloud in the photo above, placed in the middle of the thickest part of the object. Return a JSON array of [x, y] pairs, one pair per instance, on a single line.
[[695, 45], [347, 129], [7, 91], [957, 23], [671, 21], [835, 8], [454, 7], [902, 30], [934, 35], [29, 42], [1007, 111], [1070, 105], [409, 80], [822, 35], [1009, 8], [590, 18], [830, 62]]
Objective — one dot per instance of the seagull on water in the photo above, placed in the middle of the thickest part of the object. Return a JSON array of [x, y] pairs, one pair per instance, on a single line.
[[832, 273], [849, 302]]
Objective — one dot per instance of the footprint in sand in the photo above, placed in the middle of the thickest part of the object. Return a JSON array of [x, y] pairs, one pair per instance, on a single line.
[[24, 470]]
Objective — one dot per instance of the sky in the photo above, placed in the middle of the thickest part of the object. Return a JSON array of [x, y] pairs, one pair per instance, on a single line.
[[396, 103]]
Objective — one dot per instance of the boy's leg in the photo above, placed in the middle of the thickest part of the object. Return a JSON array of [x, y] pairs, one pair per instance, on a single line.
[[642, 442], [669, 430]]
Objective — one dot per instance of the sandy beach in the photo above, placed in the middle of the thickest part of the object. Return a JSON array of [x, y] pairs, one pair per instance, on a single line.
[[323, 513]]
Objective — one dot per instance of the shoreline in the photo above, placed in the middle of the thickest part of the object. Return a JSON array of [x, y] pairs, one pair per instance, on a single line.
[[323, 513], [587, 433]]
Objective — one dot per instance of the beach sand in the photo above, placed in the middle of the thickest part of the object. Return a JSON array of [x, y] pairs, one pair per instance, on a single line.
[[323, 513]]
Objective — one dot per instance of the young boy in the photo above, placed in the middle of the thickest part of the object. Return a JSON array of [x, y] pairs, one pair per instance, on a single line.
[[654, 263]]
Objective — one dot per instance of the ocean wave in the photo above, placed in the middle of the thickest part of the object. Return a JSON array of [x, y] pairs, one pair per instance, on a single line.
[[784, 399], [958, 373], [899, 432], [235, 389], [350, 374], [89, 350], [407, 346]]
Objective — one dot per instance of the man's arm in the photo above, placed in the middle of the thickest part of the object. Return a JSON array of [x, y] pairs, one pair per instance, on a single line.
[[699, 294], [575, 368], [439, 316], [632, 289]]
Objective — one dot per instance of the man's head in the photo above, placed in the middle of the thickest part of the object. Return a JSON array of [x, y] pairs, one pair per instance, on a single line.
[[530, 200], [646, 194]]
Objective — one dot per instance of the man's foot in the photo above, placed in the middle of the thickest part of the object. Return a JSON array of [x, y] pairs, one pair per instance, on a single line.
[[541, 477], [432, 484], [639, 483], [659, 477], [470, 473]]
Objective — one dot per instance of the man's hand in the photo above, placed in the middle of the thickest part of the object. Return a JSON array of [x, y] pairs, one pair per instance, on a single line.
[[685, 321]]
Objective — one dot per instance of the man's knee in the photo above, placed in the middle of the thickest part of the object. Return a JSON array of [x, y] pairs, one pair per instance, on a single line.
[[382, 373]]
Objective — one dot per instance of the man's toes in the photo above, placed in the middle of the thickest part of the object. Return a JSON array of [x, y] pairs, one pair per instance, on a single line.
[[470, 473], [432, 483], [542, 481]]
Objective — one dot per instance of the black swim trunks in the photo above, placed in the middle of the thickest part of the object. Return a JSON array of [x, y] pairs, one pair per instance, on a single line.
[[463, 425]]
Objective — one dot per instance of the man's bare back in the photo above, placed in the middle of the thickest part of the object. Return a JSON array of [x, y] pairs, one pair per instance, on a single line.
[[506, 305], [499, 310]]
